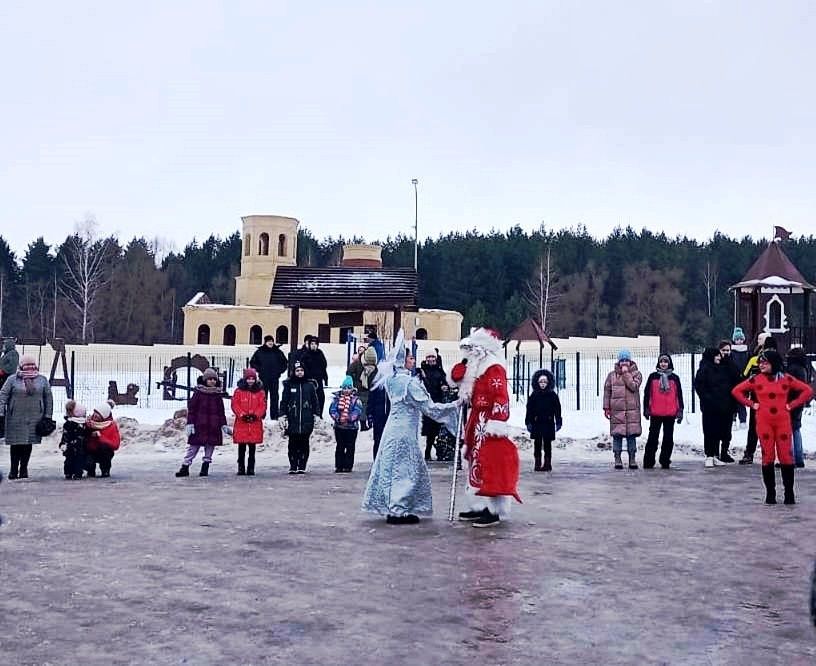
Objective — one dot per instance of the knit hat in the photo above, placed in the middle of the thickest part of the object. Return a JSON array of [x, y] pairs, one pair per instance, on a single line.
[[774, 358], [267, 338], [80, 412], [250, 372], [209, 373], [28, 359], [348, 383], [624, 355], [296, 365], [104, 410], [762, 337], [665, 357], [738, 334]]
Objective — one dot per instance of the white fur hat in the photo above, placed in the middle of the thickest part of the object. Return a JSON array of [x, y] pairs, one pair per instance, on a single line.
[[486, 338]]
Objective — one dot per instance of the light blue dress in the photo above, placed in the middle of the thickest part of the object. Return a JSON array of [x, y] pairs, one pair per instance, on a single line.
[[399, 483]]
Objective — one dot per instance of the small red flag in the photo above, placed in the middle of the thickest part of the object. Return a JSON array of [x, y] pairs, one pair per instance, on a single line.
[[780, 233]]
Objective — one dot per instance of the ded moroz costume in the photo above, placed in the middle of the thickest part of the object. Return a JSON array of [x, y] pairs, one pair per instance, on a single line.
[[493, 461]]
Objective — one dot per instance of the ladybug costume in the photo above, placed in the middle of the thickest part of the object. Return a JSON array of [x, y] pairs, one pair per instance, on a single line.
[[772, 402]]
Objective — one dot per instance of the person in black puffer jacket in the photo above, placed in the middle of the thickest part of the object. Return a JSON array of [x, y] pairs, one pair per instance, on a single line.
[[798, 365], [434, 379], [713, 383], [543, 418], [298, 407]]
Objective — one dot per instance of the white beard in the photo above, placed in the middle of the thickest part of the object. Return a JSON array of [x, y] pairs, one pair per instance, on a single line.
[[477, 365]]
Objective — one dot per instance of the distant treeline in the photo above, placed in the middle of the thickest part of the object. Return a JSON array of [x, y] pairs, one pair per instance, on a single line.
[[626, 284]]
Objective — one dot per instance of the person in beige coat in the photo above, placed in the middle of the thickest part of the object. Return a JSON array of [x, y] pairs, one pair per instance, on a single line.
[[621, 406]]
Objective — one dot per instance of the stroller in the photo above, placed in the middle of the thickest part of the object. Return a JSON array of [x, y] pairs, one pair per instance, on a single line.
[[445, 442]]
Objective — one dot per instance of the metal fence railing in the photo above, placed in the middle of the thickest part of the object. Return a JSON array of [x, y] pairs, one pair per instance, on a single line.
[[580, 376]]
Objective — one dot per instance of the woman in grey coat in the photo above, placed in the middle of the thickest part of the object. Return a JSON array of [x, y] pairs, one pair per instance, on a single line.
[[25, 399]]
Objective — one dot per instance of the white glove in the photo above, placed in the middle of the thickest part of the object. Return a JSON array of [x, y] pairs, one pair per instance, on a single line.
[[226, 430], [189, 429]]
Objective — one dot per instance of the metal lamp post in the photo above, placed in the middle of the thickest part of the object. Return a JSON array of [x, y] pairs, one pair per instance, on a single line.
[[416, 224]]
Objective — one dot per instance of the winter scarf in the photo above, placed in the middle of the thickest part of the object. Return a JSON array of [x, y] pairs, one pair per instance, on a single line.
[[664, 379], [208, 389], [344, 406], [93, 424], [28, 375]]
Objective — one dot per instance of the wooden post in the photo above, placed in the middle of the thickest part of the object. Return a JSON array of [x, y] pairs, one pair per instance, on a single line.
[[294, 336], [397, 321]]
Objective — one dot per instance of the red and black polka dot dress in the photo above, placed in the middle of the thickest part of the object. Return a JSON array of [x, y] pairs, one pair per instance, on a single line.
[[773, 420]]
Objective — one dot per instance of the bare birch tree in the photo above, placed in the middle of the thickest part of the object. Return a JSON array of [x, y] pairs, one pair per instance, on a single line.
[[710, 275], [542, 293], [85, 271]]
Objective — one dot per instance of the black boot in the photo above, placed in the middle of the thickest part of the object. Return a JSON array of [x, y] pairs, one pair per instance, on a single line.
[[537, 457], [15, 462], [184, 471], [769, 479], [724, 457], [787, 482], [241, 455], [205, 469], [250, 470], [547, 458]]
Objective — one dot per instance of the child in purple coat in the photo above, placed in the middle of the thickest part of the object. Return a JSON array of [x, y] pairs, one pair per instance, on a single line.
[[206, 422]]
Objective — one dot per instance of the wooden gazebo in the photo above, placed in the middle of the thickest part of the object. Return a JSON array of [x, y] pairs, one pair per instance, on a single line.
[[530, 330], [351, 290], [764, 300]]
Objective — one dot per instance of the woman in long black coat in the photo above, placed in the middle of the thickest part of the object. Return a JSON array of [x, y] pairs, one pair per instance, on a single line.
[[543, 417]]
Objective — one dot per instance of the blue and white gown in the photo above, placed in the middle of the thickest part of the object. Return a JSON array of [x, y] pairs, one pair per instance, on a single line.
[[399, 483]]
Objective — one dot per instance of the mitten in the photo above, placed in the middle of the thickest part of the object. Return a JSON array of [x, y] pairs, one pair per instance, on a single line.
[[189, 429], [680, 416], [226, 430]]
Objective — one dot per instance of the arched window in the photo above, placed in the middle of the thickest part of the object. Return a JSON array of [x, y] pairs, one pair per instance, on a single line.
[[775, 319], [282, 335], [282, 245], [229, 335], [263, 244], [255, 335], [421, 334], [247, 245], [203, 334]]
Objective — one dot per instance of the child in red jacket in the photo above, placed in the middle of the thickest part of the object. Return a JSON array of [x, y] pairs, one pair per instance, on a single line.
[[768, 395], [249, 407], [103, 439]]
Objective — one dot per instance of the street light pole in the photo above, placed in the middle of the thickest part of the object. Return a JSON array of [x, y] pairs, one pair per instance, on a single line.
[[416, 224]]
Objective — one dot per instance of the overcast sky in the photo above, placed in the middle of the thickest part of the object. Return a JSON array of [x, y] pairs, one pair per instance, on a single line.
[[174, 119]]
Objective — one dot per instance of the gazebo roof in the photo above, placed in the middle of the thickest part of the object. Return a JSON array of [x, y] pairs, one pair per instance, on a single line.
[[773, 269], [345, 288], [529, 329]]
